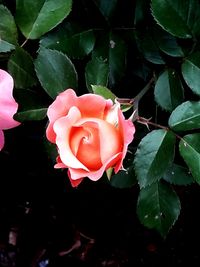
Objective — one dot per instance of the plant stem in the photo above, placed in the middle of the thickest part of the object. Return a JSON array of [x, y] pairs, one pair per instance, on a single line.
[[24, 43], [143, 91], [148, 122], [137, 98]]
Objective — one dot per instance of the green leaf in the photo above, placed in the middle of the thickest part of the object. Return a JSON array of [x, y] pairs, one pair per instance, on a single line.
[[141, 11], [96, 72], [168, 43], [55, 71], [103, 91], [76, 43], [116, 59], [153, 156], [186, 116], [148, 46], [189, 148], [107, 94], [8, 30], [168, 90], [142, 70], [5, 46], [107, 8], [80, 44], [178, 175], [191, 72], [126, 107], [158, 207], [112, 50], [180, 18], [37, 17], [21, 67], [109, 172], [124, 179], [31, 115]]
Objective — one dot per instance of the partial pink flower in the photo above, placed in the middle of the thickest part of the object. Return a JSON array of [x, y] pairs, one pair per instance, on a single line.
[[8, 105], [91, 135]]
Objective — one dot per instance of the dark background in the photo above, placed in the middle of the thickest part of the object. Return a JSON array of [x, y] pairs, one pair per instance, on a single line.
[[48, 216]]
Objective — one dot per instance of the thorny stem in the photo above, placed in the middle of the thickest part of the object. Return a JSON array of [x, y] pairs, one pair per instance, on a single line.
[[135, 101], [148, 122], [135, 116], [143, 91]]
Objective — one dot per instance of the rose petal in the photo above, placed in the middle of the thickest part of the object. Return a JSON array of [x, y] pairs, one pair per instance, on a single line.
[[110, 140], [110, 137], [91, 105], [76, 174], [6, 117], [127, 130], [59, 108], [74, 183], [112, 114], [91, 134], [1, 139], [85, 144], [94, 175], [62, 128], [59, 164], [8, 105], [76, 137]]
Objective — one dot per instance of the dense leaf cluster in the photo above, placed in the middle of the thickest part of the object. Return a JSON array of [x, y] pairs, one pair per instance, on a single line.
[[90, 46]]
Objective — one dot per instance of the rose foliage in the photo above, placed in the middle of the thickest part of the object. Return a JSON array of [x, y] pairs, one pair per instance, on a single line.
[[132, 115]]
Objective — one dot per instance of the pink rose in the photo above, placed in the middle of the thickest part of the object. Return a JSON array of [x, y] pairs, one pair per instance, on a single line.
[[91, 135], [8, 106]]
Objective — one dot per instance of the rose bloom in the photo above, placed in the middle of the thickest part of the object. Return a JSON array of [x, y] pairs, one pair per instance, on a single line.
[[91, 135], [8, 105]]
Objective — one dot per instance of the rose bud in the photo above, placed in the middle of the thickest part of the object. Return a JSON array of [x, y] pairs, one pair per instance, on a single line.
[[91, 135]]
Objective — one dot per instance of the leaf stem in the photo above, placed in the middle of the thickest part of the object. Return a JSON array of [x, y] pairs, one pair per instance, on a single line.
[[137, 98], [148, 122], [144, 90], [24, 43]]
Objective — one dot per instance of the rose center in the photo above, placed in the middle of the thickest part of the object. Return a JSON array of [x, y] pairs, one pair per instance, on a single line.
[[85, 145]]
